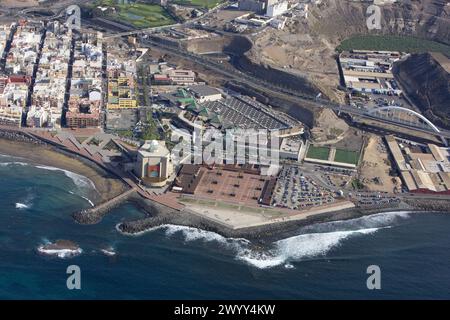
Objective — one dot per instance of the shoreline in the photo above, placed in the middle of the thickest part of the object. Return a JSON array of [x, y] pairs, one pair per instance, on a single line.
[[37, 153], [155, 215]]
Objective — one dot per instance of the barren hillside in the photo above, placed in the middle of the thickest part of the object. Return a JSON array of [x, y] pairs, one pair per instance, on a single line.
[[307, 46], [427, 83]]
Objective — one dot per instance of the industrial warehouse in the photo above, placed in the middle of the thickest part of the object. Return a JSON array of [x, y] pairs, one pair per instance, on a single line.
[[370, 71], [423, 168]]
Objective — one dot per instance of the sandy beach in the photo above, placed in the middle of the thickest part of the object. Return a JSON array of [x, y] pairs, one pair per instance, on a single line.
[[225, 222], [107, 185]]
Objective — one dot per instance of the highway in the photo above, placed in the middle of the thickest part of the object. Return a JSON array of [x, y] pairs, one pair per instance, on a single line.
[[280, 91], [261, 85]]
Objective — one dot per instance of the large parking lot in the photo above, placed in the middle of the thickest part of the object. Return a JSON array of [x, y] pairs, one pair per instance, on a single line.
[[296, 191]]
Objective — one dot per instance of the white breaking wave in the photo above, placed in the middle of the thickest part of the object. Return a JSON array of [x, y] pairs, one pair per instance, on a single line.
[[88, 200], [21, 206], [110, 252], [315, 240], [78, 179], [377, 220], [25, 203], [18, 163], [9, 156], [193, 234], [298, 247], [85, 198], [60, 253]]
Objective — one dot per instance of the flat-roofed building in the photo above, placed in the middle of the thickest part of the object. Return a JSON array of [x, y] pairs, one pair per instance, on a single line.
[[370, 71], [423, 168], [121, 93], [423, 180], [436, 151], [396, 153], [290, 149], [11, 116], [445, 178], [205, 93], [181, 76]]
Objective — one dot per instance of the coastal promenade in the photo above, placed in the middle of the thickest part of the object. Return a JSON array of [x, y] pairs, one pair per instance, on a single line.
[[225, 218], [69, 144]]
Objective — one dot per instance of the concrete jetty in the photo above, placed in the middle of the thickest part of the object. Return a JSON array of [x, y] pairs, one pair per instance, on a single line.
[[94, 215]]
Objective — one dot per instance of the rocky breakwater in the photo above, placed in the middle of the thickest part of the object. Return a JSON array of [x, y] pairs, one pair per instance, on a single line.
[[16, 135], [155, 215], [429, 204], [95, 215]]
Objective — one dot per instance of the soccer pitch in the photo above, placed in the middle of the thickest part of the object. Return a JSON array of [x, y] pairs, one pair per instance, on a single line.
[[345, 156], [320, 153], [139, 15]]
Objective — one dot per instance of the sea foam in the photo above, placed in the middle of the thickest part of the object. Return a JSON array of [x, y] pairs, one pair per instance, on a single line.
[[60, 253], [21, 206], [298, 248], [313, 241], [17, 163], [79, 180]]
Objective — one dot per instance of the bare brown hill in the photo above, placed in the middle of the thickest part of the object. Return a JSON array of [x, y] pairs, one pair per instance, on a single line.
[[306, 47], [427, 84]]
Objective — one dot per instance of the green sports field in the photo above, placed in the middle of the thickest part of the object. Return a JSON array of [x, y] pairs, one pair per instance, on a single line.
[[344, 156], [139, 15], [393, 43], [320, 153]]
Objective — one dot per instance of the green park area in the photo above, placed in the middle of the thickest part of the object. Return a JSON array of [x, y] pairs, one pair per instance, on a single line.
[[393, 43], [320, 153], [137, 14], [345, 156]]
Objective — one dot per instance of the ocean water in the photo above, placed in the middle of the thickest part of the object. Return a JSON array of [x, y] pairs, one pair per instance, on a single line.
[[324, 261]]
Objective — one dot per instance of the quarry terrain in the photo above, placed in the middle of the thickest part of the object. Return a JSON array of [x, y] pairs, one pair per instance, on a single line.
[[375, 167], [427, 83], [306, 47], [328, 129]]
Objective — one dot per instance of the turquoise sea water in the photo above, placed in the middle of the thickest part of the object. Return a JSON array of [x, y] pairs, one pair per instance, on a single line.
[[170, 262]]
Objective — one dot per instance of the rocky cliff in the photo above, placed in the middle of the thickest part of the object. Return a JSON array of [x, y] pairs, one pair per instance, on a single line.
[[422, 18], [427, 84], [306, 47]]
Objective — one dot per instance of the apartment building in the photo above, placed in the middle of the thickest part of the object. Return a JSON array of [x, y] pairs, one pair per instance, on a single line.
[[85, 100], [13, 98], [50, 86], [24, 50]]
